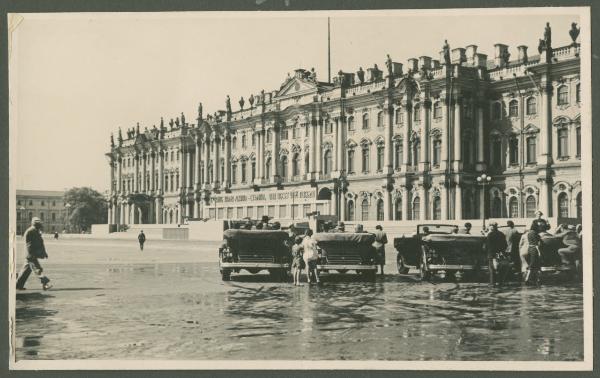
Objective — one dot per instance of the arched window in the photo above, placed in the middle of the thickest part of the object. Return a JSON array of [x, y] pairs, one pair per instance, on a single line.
[[244, 172], [244, 141], [269, 136], [531, 150], [416, 150], [513, 150], [562, 95], [253, 170], [253, 139], [437, 152], [350, 212], [234, 143], [398, 116], [578, 93], [496, 207], [563, 142], [497, 152], [578, 140], [295, 164], [327, 162], [328, 127], [284, 167], [268, 168], [365, 159], [530, 206], [416, 209], [513, 207], [380, 152], [579, 209], [437, 208], [513, 108], [350, 123], [350, 161], [306, 162], [497, 110], [563, 205], [398, 153], [234, 174], [365, 210], [417, 113], [365, 121], [531, 106], [380, 119], [437, 110], [398, 209], [380, 211]]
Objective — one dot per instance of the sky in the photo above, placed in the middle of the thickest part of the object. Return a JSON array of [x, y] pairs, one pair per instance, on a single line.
[[76, 78]]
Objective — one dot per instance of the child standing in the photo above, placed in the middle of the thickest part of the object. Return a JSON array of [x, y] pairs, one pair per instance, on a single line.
[[298, 261]]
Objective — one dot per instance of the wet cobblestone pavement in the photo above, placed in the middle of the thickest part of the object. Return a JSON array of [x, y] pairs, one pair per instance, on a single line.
[[111, 301]]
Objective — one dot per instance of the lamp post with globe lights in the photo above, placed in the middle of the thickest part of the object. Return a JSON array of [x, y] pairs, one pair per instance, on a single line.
[[483, 180]]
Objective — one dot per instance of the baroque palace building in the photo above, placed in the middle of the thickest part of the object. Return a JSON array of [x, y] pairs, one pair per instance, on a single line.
[[402, 143]]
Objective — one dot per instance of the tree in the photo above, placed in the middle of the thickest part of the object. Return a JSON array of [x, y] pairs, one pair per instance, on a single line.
[[86, 207]]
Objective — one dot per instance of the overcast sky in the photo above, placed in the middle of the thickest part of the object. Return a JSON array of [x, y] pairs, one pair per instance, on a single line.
[[79, 77]]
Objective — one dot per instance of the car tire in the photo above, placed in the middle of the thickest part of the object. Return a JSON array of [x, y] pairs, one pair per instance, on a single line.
[[402, 268]]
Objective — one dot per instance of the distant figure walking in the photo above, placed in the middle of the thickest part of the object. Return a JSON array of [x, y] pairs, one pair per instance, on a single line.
[[379, 244], [142, 239], [55, 235], [35, 250]]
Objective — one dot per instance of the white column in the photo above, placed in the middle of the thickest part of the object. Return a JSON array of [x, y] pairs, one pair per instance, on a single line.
[[261, 156], [480, 145], [405, 204], [338, 145], [227, 158], [481, 202], [388, 124], [312, 148], [153, 183], [445, 151], [121, 213], [137, 172], [544, 199], [342, 206], [387, 205], [206, 160], [457, 137], [406, 136], [444, 200], [216, 162], [197, 164], [423, 203], [120, 175], [144, 171], [424, 158], [545, 150], [188, 173], [458, 202], [319, 145], [275, 153]]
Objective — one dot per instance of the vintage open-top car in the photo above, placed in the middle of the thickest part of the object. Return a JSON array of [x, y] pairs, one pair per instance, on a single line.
[[435, 249], [255, 250], [551, 264], [343, 252]]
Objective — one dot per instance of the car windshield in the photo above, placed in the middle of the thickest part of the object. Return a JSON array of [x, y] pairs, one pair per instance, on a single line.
[[435, 228]]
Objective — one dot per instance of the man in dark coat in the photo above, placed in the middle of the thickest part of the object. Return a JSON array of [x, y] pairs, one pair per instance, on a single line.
[[496, 246], [142, 239], [35, 250], [513, 236]]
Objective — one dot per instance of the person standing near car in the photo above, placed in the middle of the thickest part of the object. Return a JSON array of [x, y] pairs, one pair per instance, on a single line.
[[496, 246], [512, 244], [379, 244], [35, 250], [467, 229], [533, 250], [297, 260], [141, 239], [311, 256]]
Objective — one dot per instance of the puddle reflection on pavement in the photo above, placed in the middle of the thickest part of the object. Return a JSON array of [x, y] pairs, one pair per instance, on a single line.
[[184, 311]]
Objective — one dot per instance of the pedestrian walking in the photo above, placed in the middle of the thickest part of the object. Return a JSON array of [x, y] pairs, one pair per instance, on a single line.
[[142, 239], [55, 235], [311, 256], [297, 260], [379, 244], [35, 251]]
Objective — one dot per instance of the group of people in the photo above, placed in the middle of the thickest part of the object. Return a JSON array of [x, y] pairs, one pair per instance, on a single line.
[[524, 250], [263, 224], [305, 252]]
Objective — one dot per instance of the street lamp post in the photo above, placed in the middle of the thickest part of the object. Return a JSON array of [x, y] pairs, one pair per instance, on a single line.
[[23, 220], [68, 206], [484, 180]]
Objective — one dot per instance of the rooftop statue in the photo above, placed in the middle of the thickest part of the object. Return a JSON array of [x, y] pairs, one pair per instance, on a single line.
[[251, 100], [120, 136], [446, 50], [177, 121], [262, 96], [171, 123], [137, 129], [361, 75], [228, 104], [241, 102], [162, 123], [182, 119], [548, 35], [388, 64], [313, 74], [112, 140], [199, 112], [574, 32]]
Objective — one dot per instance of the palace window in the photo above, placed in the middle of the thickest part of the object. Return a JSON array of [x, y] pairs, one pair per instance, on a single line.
[[530, 206], [244, 141], [234, 143], [437, 110], [350, 161], [380, 152], [437, 152], [233, 174], [398, 116], [365, 121], [295, 165], [513, 150], [578, 93], [579, 208], [380, 119], [497, 152], [350, 211], [328, 127], [364, 210], [177, 155], [398, 153], [563, 205], [416, 150], [243, 172], [43, 203], [437, 208], [496, 207], [177, 182], [496, 110], [253, 170], [531, 150], [365, 159], [327, 162], [513, 207], [416, 209], [269, 136], [306, 162], [305, 210], [306, 130], [295, 132], [578, 140], [284, 133], [268, 168], [42, 215], [417, 113], [380, 211], [351, 123], [531, 106], [513, 108], [398, 209], [563, 143], [284, 167], [282, 211], [562, 95], [53, 217], [253, 139]]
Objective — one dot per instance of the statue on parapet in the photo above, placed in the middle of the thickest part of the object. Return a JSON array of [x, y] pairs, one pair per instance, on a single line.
[[548, 36], [182, 119], [446, 50], [171, 123], [112, 140], [313, 75], [241, 102], [251, 100], [199, 113], [262, 96], [389, 65], [361, 75], [228, 104], [574, 32], [137, 129]]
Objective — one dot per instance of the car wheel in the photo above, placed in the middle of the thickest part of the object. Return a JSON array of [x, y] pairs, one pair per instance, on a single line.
[[402, 268]]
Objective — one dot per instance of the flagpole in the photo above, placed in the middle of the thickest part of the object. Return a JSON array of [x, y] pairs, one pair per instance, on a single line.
[[328, 52]]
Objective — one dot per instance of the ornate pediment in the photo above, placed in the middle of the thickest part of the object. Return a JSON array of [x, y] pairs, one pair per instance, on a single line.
[[297, 87]]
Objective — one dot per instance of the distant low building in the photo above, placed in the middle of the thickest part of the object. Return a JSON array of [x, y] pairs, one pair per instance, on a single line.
[[47, 205]]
